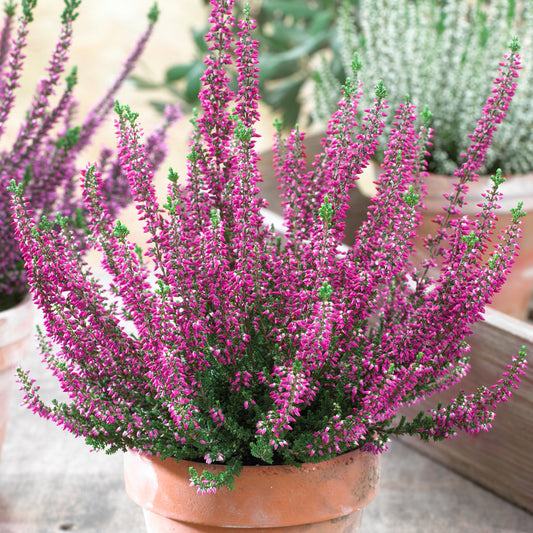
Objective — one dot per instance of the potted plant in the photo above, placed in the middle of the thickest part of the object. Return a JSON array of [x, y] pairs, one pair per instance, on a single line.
[[42, 158], [229, 355], [442, 54]]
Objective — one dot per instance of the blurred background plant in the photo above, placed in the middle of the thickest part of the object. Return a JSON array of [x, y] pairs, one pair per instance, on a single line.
[[292, 35], [43, 155], [441, 53]]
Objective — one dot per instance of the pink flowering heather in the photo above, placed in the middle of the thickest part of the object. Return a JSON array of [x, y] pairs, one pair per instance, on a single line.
[[43, 155], [228, 342]]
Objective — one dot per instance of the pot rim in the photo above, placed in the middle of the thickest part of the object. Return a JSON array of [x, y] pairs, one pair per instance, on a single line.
[[515, 188], [16, 325], [264, 496]]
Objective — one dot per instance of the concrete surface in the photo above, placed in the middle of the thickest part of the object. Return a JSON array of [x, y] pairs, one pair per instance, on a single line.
[[51, 482]]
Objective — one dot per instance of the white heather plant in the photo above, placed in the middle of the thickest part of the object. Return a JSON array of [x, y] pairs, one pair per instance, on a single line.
[[442, 54], [249, 349]]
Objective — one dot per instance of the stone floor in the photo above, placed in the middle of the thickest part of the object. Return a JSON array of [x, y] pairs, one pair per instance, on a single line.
[[49, 481]]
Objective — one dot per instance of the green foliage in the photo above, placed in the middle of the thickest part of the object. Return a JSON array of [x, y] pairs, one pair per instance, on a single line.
[[72, 78], [154, 13], [325, 291], [292, 33], [517, 212], [215, 218], [70, 139], [514, 46], [242, 133], [493, 260], [125, 112], [10, 8], [70, 13], [169, 205], [356, 64], [326, 211], [426, 115], [162, 288], [261, 449], [27, 9], [120, 230], [16, 188], [411, 198], [79, 221], [215, 480], [27, 177], [44, 224], [193, 155], [62, 220], [139, 253], [380, 90], [471, 239], [172, 176], [497, 178]]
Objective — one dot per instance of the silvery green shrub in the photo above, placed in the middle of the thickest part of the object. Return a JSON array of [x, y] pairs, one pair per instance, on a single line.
[[442, 54]]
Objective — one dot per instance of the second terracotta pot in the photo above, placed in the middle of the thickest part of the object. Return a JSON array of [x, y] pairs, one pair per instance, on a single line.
[[326, 497], [514, 298], [16, 327]]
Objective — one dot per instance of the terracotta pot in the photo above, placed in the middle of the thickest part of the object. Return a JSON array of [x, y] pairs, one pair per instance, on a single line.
[[16, 331], [515, 296], [325, 497]]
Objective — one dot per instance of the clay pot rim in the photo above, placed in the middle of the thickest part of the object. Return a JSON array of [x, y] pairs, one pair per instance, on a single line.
[[26, 301], [264, 496], [15, 328], [517, 187]]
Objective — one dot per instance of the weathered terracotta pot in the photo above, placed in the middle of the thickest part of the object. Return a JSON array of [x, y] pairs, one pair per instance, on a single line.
[[327, 497], [16, 327], [515, 295]]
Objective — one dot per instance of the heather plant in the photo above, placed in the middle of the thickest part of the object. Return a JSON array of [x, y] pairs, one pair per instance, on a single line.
[[229, 342], [42, 157], [443, 55]]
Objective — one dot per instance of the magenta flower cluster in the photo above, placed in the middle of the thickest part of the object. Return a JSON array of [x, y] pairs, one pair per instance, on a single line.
[[228, 342], [43, 155]]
